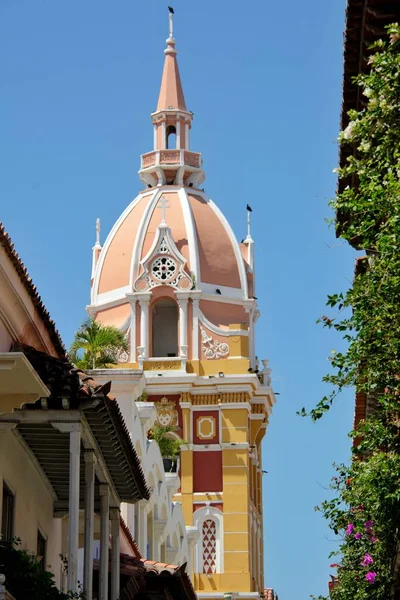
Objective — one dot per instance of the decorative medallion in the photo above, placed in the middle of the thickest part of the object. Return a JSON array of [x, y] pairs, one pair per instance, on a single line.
[[167, 415], [163, 268], [123, 356], [209, 546], [213, 348], [205, 428]]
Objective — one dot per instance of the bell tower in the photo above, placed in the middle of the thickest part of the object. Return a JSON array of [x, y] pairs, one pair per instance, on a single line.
[[172, 275], [171, 161]]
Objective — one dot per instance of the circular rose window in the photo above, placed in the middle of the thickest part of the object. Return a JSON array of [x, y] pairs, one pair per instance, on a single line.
[[163, 268]]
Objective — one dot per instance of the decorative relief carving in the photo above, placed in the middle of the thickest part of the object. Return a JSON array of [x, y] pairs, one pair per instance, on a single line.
[[170, 156], [213, 348], [162, 365], [148, 160], [123, 356], [192, 159], [164, 270], [167, 415]]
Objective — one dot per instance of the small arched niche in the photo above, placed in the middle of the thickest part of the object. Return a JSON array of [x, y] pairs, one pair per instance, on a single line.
[[171, 137], [165, 328]]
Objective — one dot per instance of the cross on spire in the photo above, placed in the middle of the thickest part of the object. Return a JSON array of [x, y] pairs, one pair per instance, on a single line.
[[163, 205]]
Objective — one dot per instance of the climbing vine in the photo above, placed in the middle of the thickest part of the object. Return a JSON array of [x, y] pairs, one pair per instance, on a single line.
[[366, 509]]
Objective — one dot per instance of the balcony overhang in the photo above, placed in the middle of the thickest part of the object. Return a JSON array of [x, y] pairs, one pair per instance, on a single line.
[[19, 381], [158, 166]]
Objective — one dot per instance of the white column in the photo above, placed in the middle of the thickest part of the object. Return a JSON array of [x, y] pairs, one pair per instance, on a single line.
[[195, 333], [73, 508], [90, 462], [178, 134], [115, 550], [104, 534], [186, 136], [155, 137], [144, 301], [163, 136], [183, 324], [132, 340], [141, 532]]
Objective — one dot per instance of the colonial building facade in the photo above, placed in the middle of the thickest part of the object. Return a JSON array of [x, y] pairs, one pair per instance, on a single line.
[[172, 275], [68, 465]]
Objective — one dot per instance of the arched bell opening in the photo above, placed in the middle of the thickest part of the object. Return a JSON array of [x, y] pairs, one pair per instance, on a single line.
[[171, 137], [164, 321]]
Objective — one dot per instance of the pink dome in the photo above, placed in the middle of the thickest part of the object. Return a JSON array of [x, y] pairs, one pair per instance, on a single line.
[[201, 234]]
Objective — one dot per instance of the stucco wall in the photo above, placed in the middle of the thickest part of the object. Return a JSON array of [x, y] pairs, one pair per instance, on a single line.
[[33, 506]]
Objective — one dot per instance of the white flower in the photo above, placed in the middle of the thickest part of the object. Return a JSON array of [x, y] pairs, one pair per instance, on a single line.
[[368, 92], [348, 132], [364, 146]]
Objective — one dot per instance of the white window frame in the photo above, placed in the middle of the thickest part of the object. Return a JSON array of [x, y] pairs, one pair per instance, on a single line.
[[199, 516]]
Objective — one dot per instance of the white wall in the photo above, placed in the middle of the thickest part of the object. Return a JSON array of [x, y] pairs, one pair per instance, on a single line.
[[160, 505], [33, 505]]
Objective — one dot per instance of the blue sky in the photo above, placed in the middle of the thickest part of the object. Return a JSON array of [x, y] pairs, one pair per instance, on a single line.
[[79, 80]]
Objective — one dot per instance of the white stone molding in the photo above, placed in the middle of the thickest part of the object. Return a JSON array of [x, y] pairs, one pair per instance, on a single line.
[[141, 233], [218, 330], [233, 240], [191, 234], [213, 349]]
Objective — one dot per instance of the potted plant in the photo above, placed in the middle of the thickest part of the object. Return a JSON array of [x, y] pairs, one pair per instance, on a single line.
[[170, 446]]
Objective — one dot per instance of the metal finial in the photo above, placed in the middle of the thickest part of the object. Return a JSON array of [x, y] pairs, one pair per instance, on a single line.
[[98, 231], [171, 22], [249, 211]]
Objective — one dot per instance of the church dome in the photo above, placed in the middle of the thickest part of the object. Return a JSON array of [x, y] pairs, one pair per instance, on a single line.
[[172, 245], [202, 235]]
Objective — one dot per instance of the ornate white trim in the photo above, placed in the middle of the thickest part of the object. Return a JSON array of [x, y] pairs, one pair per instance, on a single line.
[[140, 235], [110, 237], [212, 349], [191, 233], [218, 330], [233, 240], [199, 516], [163, 255]]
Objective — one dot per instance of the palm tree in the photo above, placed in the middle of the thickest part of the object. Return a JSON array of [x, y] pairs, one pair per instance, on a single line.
[[170, 446], [100, 345]]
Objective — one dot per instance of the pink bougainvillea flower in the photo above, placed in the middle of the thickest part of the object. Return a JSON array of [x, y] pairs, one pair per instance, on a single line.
[[369, 525], [370, 576], [367, 560], [349, 529], [334, 565], [372, 539], [357, 536], [361, 507]]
